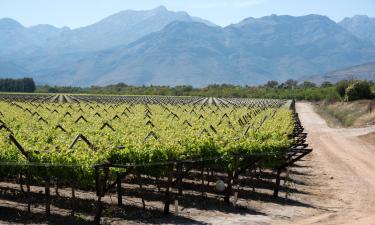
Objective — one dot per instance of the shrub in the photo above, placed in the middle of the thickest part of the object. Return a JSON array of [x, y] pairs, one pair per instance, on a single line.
[[271, 84], [341, 87], [326, 84], [358, 90], [307, 84]]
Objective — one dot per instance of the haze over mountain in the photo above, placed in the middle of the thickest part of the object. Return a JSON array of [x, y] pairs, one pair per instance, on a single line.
[[361, 26], [360, 72], [172, 48]]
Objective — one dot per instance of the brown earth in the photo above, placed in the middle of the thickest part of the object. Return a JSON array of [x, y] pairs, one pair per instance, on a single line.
[[348, 197]]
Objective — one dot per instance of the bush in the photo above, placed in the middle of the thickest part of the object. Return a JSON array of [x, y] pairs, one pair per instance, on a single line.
[[341, 87], [307, 84], [271, 84], [326, 84], [358, 90]]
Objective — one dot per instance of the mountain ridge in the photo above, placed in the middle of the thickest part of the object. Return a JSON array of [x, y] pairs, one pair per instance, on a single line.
[[173, 48], [364, 71]]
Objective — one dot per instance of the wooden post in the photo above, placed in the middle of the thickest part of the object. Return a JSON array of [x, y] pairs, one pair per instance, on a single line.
[[73, 199], [100, 191], [47, 193], [202, 177], [139, 177], [21, 183], [28, 192], [236, 178], [208, 177], [119, 191], [229, 187], [179, 174], [277, 184], [167, 191]]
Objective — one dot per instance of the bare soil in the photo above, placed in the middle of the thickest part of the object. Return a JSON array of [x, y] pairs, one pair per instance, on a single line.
[[335, 184], [344, 190]]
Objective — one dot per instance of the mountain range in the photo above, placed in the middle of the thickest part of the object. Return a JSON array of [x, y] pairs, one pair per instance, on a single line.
[[162, 47], [360, 72]]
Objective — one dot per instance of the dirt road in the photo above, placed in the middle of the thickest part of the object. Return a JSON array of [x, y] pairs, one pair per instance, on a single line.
[[345, 191]]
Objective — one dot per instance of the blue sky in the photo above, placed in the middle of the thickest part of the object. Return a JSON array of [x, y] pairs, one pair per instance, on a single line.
[[77, 13]]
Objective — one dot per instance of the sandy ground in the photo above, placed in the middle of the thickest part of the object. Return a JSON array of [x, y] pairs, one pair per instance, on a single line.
[[350, 162], [335, 184]]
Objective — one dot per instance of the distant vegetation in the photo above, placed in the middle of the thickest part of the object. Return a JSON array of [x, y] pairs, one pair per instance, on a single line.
[[343, 90], [17, 85]]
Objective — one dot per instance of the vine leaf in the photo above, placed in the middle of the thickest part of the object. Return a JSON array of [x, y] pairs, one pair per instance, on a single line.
[[42, 119], [116, 117], [83, 138], [67, 114], [213, 129], [150, 123], [3, 126], [80, 118], [107, 125], [204, 131], [186, 123], [151, 134], [58, 126]]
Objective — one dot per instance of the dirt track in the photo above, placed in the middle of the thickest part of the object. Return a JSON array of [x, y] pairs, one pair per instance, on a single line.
[[345, 194]]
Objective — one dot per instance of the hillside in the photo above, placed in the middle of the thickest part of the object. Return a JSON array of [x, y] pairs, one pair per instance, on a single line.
[[362, 72], [162, 47], [361, 26]]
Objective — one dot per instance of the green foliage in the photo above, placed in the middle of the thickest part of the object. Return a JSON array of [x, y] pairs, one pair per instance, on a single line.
[[290, 83], [269, 132], [288, 90], [341, 87], [224, 90], [17, 85], [326, 84], [271, 84], [308, 84], [358, 90]]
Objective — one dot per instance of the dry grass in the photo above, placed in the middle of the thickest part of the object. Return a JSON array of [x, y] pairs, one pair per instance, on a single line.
[[348, 114]]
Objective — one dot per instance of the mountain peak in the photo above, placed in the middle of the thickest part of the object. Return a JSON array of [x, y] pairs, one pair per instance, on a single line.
[[282, 19], [9, 23], [160, 8], [361, 26], [358, 18]]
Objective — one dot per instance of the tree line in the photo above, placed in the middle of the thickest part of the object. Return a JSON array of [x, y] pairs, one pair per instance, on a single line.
[[17, 85], [272, 89], [291, 89]]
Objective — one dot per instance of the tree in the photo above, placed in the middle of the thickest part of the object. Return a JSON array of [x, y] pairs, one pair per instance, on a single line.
[[358, 90], [341, 87], [17, 85], [291, 83], [308, 84], [326, 84], [271, 84]]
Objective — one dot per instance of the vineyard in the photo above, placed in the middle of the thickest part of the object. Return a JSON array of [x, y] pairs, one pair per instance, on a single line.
[[170, 146]]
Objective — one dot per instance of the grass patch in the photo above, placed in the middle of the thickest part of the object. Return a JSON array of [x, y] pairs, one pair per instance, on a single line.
[[347, 114]]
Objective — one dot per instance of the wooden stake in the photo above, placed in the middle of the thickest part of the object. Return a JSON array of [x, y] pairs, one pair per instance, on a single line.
[[73, 199], [47, 193], [119, 192]]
